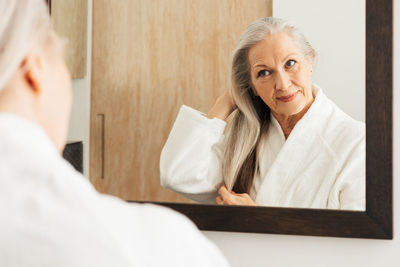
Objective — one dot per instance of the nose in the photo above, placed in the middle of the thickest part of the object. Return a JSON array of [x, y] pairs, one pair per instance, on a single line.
[[282, 81]]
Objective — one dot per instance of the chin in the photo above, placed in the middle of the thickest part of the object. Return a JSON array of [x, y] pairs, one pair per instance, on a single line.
[[293, 109]]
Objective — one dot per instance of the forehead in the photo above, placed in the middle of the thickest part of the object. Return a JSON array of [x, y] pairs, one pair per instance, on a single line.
[[273, 48]]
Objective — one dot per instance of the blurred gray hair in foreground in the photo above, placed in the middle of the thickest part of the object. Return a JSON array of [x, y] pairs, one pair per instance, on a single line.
[[24, 24]]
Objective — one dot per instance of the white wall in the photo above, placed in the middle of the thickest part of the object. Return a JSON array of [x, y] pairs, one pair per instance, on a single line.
[[336, 29], [279, 250], [79, 126]]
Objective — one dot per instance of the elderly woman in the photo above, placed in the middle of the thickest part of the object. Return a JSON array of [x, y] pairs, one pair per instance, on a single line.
[[285, 144], [50, 215]]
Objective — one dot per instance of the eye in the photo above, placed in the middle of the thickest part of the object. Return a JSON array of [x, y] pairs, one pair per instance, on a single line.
[[290, 63], [263, 73]]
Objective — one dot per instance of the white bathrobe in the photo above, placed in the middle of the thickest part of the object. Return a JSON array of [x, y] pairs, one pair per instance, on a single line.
[[50, 215], [320, 165]]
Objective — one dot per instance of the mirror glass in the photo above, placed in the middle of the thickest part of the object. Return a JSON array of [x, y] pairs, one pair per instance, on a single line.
[[168, 124]]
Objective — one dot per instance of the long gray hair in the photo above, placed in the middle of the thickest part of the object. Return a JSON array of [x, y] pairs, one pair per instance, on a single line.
[[23, 24], [249, 122]]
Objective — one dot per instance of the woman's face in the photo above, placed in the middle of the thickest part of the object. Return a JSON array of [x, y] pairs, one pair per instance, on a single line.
[[281, 74]]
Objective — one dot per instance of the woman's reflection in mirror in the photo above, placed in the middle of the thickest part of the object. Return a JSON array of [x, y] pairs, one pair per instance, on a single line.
[[285, 143]]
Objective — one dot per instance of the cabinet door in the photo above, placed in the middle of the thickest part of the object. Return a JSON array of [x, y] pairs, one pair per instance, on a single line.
[[148, 58]]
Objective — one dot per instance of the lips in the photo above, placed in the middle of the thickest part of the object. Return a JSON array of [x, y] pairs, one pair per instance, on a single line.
[[288, 98]]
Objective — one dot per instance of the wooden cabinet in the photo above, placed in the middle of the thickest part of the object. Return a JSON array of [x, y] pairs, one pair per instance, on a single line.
[[148, 58]]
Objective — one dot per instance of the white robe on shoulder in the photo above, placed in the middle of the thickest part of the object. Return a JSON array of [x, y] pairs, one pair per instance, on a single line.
[[320, 165], [50, 215]]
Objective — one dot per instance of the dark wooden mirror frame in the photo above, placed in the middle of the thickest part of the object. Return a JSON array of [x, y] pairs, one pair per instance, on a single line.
[[376, 221], [49, 5]]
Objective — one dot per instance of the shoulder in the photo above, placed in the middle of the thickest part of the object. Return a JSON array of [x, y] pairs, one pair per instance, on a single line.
[[159, 234], [340, 132]]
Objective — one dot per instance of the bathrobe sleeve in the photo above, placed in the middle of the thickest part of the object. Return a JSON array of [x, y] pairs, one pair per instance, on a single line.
[[352, 190], [190, 161], [349, 189]]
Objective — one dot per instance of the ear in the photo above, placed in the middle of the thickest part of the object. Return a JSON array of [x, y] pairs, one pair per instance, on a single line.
[[32, 65]]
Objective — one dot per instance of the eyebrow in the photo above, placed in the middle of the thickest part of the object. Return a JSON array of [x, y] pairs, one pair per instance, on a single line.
[[265, 66], [261, 65]]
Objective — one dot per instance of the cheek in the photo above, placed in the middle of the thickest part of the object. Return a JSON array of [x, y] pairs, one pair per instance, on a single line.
[[266, 91], [64, 84], [303, 76], [65, 101], [301, 79], [61, 97], [67, 88]]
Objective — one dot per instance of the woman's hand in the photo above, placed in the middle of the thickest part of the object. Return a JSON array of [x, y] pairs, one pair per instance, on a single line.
[[223, 107], [231, 198]]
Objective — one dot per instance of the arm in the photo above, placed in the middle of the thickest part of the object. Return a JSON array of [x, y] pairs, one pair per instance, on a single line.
[[190, 161]]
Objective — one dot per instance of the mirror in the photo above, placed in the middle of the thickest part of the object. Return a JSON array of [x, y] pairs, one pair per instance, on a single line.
[[180, 54], [149, 62]]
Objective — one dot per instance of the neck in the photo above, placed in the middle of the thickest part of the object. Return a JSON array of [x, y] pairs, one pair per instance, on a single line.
[[19, 100], [15, 100], [287, 123]]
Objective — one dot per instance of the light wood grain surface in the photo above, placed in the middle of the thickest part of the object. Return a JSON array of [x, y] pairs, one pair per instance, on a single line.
[[148, 58], [69, 18]]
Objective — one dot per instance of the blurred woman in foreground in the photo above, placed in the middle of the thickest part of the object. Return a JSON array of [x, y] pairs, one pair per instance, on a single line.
[[50, 215]]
